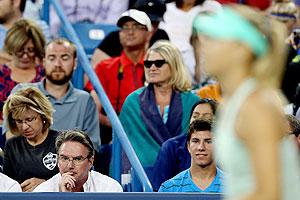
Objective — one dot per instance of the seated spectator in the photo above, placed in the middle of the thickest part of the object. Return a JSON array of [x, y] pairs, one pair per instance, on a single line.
[[123, 74], [75, 160], [111, 46], [8, 185], [161, 109], [178, 20], [89, 11], [12, 11], [25, 43], [294, 129], [173, 156], [30, 157], [60, 61], [33, 9], [203, 174]]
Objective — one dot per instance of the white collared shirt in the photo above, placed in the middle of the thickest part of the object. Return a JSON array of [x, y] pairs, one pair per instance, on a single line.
[[96, 182], [8, 185]]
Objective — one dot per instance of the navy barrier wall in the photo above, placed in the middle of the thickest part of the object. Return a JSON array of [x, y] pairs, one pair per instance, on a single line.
[[109, 196]]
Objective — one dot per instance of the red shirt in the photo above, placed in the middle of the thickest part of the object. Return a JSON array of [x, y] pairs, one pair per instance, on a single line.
[[132, 78], [7, 83], [261, 4]]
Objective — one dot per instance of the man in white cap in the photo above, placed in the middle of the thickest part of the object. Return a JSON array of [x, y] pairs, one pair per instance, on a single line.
[[122, 75]]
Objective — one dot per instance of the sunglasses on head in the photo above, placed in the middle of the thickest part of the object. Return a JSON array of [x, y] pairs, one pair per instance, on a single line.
[[157, 63]]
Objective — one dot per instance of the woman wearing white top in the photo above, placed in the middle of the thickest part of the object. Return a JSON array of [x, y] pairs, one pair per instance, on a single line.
[[178, 20]]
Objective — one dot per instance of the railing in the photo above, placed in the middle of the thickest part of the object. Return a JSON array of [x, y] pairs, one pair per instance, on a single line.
[[119, 136], [110, 196]]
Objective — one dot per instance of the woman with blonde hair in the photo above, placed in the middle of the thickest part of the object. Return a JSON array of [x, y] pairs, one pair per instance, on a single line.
[[154, 113], [25, 43], [251, 146], [30, 157]]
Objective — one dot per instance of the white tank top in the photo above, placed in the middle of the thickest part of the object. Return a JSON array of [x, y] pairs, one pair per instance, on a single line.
[[233, 156]]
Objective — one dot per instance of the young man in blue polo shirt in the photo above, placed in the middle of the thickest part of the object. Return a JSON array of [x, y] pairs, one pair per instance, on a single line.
[[203, 175]]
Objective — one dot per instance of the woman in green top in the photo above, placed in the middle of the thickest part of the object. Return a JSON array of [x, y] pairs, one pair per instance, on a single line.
[[153, 114]]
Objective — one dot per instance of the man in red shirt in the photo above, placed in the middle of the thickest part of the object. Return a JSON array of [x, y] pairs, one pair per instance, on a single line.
[[122, 75]]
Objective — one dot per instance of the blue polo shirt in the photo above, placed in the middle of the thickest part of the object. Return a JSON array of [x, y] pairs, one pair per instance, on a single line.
[[183, 182]]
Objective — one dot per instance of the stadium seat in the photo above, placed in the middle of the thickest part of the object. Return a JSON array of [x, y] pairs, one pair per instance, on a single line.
[[90, 36]]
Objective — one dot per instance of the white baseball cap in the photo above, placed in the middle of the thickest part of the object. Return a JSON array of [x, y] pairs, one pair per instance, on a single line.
[[136, 15]]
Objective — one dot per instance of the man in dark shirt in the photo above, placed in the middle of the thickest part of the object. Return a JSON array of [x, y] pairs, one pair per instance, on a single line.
[[111, 46]]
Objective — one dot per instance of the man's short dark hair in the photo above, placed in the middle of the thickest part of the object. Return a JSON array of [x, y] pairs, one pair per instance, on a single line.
[[213, 105], [155, 9], [75, 136], [201, 124], [179, 3], [22, 5], [294, 124]]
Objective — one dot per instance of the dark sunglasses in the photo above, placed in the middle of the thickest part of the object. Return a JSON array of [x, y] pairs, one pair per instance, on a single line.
[[157, 63]]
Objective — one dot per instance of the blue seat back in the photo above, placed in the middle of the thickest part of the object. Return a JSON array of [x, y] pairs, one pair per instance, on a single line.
[[90, 36], [136, 185]]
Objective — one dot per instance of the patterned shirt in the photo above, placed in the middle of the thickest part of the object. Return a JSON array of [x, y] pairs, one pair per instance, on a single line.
[[183, 182], [7, 84]]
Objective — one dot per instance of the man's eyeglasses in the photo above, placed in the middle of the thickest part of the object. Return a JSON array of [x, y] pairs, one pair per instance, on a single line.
[[29, 121], [157, 63], [29, 51], [76, 160], [134, 27]]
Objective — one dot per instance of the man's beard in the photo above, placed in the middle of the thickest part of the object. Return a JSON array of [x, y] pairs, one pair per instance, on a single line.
[[60, 81]]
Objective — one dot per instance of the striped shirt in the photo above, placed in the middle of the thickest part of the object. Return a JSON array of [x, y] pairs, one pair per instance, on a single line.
[[183, 182]]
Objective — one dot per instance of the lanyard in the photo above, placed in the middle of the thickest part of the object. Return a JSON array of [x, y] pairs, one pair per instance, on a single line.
[[120, 78]]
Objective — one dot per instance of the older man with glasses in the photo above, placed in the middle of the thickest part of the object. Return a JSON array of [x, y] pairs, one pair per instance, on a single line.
[[75, 160]]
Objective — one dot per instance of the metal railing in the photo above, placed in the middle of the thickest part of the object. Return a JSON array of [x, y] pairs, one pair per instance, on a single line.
[[109, 196], [119, 136]]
